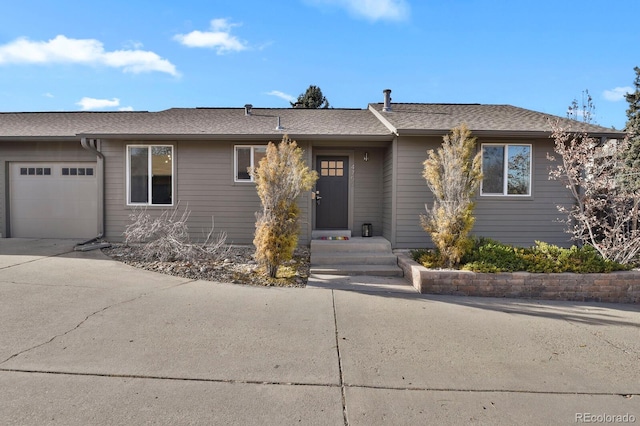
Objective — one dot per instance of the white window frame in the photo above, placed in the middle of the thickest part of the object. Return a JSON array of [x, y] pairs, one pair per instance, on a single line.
[[150, 177], [235, 161], [505, 171]]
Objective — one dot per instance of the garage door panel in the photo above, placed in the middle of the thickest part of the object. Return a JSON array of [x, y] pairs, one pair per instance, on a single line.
[[61, 204]]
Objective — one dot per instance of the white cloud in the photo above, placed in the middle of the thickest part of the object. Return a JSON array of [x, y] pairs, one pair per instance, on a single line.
[[127, 108], [89, 104], [82, 51], [219, 38], [373, 10], [138, 61], [617, 94], [282, 95], [133, 44], [48, 95]]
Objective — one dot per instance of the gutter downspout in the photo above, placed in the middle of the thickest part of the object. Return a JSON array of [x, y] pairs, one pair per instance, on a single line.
[[92, 146]]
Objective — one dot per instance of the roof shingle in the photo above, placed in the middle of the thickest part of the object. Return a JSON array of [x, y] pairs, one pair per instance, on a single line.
[[261, 121], [58, 124], [441, 118], [232, 122]]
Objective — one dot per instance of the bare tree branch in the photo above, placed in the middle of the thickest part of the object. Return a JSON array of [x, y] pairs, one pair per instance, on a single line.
[[605, 210]]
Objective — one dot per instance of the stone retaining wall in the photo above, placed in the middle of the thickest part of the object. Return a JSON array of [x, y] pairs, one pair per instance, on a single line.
[[617, 287]]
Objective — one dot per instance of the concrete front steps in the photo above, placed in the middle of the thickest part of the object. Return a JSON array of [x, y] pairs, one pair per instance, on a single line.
[[353, 256]]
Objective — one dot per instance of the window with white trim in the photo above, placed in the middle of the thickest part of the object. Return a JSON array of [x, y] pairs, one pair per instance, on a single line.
[[506, 169], [246, 157], [150, 175]]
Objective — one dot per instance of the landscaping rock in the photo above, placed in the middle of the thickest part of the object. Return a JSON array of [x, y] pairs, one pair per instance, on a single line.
[[238, 266]]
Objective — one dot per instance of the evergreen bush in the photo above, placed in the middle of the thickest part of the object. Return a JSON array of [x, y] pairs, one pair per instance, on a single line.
[[490, 256]]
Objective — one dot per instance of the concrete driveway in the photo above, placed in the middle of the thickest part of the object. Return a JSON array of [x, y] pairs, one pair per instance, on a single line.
[[87, 340]]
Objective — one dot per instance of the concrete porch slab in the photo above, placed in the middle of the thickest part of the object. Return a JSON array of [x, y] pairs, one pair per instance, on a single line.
[[361, 283]]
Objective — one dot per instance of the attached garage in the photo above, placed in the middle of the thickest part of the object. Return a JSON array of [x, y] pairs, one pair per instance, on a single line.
[[53, 200]]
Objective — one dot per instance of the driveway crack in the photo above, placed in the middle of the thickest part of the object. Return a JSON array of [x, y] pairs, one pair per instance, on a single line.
[[602, 338], [77, 326], [624, 394], [35, 260], [341, 373]]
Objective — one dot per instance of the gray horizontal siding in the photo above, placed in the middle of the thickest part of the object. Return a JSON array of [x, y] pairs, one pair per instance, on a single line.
[[40, 151], [510, 220], [368, 190], [523, 221], [411, 191], [387, 194], [204, 183]]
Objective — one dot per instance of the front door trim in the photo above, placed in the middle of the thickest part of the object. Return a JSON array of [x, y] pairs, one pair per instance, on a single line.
[[347, 153]]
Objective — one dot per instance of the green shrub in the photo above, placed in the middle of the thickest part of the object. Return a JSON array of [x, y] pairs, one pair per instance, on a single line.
[[487, 255], [503, 257], [417, 253], [481, 266], [428, 258]]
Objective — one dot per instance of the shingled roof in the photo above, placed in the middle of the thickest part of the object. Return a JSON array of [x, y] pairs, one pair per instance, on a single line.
[[424, 119], [261, 122], [58, 125], [215, 123], [195, 123]]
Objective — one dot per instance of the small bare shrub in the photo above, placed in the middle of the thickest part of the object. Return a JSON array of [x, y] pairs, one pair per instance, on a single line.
[[166, 237]]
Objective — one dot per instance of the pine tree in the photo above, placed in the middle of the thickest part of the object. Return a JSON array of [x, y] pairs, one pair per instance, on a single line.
[[632, 155], [633, 113], [312, 98]]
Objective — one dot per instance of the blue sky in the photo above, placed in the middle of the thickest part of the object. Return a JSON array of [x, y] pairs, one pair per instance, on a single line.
[[154, 55]]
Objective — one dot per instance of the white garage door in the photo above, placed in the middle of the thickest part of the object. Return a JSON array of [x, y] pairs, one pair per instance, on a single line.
[[53, 200]]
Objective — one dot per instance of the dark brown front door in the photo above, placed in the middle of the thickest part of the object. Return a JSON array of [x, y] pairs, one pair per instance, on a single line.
[[332, 202]]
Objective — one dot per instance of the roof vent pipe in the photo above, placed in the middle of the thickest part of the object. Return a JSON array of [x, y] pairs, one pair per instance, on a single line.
[[279, 127], [387, 100], [247, 109]]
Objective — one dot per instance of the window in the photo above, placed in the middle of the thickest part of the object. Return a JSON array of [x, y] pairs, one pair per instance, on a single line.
[[245, 158], [150, 175], [76, 171], [37, 171], [332, 168], [506, 169]]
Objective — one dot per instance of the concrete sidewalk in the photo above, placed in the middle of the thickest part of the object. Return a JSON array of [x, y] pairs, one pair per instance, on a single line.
[[87, 340]]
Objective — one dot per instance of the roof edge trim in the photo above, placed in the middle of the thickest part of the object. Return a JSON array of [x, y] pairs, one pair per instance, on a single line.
[[226, 137], [501, 133], [383, 120]]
